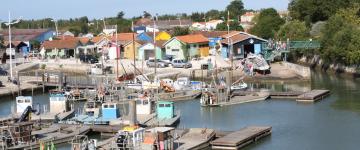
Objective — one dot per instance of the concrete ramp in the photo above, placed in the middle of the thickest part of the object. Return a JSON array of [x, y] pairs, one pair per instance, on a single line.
[[25, 66]]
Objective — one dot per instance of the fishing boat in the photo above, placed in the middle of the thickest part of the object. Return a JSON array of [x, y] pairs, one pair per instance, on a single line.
[[239, 86], [163, 114], [22, 136], [134, 137], [220, 96], [22, 102], [97, 114]]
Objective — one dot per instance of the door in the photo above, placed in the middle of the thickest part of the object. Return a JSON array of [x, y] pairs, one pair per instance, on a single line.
[[148, 53]]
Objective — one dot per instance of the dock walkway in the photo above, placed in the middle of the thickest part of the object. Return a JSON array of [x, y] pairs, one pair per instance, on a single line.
[[241, 138], [313, 96], [195, 138]]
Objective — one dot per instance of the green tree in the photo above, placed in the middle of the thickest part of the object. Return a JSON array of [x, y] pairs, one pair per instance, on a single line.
[[312, 11], [233, 26], [341, 37], [146, 14], [120, 15], [236, 9], [197, 17], [268, 23], [213, 14], [293, 30], [35, 44], [178, 31]]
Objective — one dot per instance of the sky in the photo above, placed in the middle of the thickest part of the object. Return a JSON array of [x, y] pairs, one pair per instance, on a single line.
[[64, 9]]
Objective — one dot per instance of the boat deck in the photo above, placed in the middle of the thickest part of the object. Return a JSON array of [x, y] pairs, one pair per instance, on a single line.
[[258, 96]]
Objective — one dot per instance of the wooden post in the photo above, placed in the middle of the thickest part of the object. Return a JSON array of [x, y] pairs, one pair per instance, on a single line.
[[18, 83], [43, 81]]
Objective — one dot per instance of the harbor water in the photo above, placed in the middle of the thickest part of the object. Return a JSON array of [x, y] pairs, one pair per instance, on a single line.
[[331, 124]]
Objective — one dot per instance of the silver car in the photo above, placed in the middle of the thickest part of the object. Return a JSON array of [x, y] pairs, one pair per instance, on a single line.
[[159, 63], [180, 63]]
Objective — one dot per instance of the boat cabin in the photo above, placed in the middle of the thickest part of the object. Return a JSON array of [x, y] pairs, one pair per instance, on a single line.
[[130, 138], [182, 83], [168, 81], [213, 96], [97, 69], [58, 102], [159, 138], [110, 111], [165, 110], [22, 102], [92, 108], [143, 105]]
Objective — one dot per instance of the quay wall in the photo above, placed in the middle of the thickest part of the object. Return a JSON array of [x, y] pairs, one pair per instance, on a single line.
[[304, 72]]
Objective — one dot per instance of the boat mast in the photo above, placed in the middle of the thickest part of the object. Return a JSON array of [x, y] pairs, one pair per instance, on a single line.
[[117, 53]]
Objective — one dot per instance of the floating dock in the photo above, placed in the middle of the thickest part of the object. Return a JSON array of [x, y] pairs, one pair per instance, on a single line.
[[241, 138], [313, 96], [195, 138]]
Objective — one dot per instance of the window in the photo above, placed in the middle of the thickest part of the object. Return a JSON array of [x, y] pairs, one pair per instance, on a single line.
[[111, 106], [161, 105], [175, 50], [146, 102], [20, 101], [138, 102], [106, 106], [27, 101], [167, 105]]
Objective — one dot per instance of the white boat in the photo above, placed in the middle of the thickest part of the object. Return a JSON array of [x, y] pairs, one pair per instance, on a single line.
[[97, 69], [239, 86]]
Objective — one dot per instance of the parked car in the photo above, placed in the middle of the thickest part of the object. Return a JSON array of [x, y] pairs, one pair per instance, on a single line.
[[180, 63], [89, 59], [3, 72], [159, 63]]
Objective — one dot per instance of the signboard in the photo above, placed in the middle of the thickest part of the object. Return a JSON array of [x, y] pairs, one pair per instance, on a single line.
[[8, 51]]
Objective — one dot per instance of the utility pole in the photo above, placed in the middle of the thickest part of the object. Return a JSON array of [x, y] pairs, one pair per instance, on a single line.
[[56, 27], [10, 48], [154, 36], [133, 44]]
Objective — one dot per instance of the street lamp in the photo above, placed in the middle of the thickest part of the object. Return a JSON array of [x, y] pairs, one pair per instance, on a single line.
[[56, 26], [10, 49]]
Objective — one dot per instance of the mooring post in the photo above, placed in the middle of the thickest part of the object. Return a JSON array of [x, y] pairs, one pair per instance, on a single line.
[[43, 81], [132, 112], [18, 83]]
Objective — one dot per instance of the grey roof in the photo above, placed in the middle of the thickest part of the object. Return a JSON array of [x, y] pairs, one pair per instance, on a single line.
[[165, 24]]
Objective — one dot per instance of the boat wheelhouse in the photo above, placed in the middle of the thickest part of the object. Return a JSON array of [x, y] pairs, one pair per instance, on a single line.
[[22, 102], [58, 102]]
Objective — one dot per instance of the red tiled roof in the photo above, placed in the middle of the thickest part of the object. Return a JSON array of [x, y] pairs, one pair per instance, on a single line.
[[192, 38], [97, 39], [124, 36], [84, 40], [210, 34], [236, 38], [61, 44]]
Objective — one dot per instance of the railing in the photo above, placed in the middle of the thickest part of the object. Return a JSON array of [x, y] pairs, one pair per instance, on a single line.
[[273, 49]]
